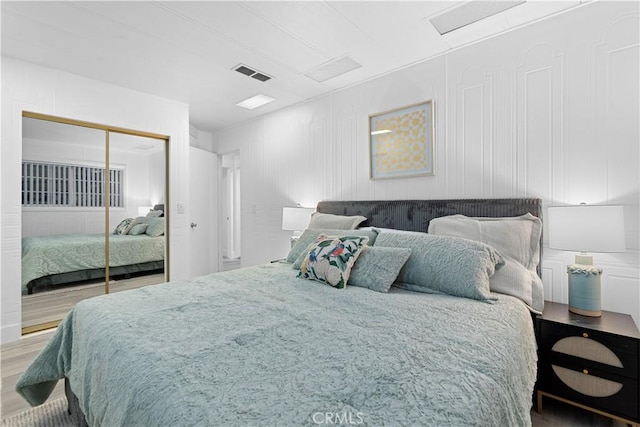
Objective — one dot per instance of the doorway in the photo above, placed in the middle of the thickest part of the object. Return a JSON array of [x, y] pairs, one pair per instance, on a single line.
[[230, 210]]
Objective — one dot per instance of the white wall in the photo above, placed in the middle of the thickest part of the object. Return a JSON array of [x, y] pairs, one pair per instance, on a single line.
[[549, 110], [201, 139], [32, 88]]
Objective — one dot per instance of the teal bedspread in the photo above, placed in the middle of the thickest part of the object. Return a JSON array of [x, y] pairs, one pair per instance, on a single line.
[[64, 253], [258, 346]]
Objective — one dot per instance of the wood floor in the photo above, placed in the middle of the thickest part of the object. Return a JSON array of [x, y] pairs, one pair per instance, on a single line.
[[15, 357], [45, 307]]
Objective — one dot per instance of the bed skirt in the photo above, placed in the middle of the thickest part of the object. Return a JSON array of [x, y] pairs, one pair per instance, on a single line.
[[74, 406]]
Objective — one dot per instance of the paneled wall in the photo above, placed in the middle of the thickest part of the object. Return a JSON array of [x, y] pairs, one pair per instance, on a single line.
[[549, 110], [43, 90]]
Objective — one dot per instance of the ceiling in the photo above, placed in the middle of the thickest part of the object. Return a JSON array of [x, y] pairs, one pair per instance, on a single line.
[[187, 50]]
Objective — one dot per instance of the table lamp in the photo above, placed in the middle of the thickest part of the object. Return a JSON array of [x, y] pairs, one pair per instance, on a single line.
[[586, 228], [296, 219]]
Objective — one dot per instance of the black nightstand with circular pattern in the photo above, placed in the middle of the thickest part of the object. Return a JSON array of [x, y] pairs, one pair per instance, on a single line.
[[589, 362]]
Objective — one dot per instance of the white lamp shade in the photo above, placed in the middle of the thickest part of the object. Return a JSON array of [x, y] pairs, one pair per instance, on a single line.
[[586, 228], [144, 210], [296, 219]]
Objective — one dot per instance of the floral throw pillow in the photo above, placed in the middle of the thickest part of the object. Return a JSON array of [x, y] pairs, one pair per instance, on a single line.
[[330, 259], [124, 226]]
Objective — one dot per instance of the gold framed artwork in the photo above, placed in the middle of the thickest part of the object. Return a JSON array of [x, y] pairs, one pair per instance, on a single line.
[[401, 142]]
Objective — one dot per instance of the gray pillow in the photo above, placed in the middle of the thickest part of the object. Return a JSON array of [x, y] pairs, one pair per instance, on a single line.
[[337, 222], [452, 265], [155, 227], [309, 237], [377, 267], [138, 229]]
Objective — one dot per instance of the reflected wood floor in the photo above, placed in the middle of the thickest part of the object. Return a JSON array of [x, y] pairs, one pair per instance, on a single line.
[[44, 307]]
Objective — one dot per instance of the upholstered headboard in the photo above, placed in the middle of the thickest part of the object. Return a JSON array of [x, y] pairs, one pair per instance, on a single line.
[[415, 215]]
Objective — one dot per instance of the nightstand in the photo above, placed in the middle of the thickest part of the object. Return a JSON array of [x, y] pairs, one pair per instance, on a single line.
[[589, 362]]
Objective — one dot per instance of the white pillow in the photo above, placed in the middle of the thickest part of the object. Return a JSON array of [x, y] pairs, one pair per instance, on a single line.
[[517, 239], [336, 222]]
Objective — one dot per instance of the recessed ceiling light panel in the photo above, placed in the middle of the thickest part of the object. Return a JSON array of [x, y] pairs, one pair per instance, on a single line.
[[333, 68], [255, 102], [470, 12]]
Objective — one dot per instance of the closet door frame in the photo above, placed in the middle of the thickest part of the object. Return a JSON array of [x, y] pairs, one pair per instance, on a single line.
[[107, 228]]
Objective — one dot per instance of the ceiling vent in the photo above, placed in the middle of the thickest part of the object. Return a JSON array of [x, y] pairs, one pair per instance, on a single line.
[[333, 68], [470, 12], [243, 69]]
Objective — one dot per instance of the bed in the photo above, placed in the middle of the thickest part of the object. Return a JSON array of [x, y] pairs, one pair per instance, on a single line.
[[53, 261], [261, 346]]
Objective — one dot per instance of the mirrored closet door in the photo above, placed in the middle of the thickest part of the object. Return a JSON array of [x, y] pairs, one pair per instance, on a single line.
[[93, 217]]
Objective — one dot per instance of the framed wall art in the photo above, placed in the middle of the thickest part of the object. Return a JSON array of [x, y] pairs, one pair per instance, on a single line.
[[401, 142]]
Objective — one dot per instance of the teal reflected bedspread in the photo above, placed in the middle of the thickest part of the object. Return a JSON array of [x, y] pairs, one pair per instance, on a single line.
[[259, 346], [64, 253]]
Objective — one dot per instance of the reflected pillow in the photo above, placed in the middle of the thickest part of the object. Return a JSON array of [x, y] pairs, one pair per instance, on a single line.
[[138, 229], [154, 214], [309, 237], [142, 220], [330, 259], [337, 222], [378, 267], [451, 265], [155, 227], [124, 226], [518, 241]]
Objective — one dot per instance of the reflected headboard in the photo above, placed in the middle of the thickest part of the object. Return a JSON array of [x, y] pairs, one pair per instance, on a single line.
[[415, 215], [159, 208]]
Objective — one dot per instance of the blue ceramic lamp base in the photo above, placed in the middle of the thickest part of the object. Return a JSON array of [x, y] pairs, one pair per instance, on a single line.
[[585, 287]]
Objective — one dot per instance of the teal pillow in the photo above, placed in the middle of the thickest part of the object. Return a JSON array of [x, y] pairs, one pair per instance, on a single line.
[[378, 267], [142, 220], [309, 237], [138, 229], [452, 265], [330, 260], [155, 227], [518, 241]]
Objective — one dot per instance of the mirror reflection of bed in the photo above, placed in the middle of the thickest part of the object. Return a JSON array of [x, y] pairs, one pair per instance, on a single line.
[[64, 219]]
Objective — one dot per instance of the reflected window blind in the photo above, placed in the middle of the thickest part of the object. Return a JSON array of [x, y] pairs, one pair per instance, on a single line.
[[65, 185]]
